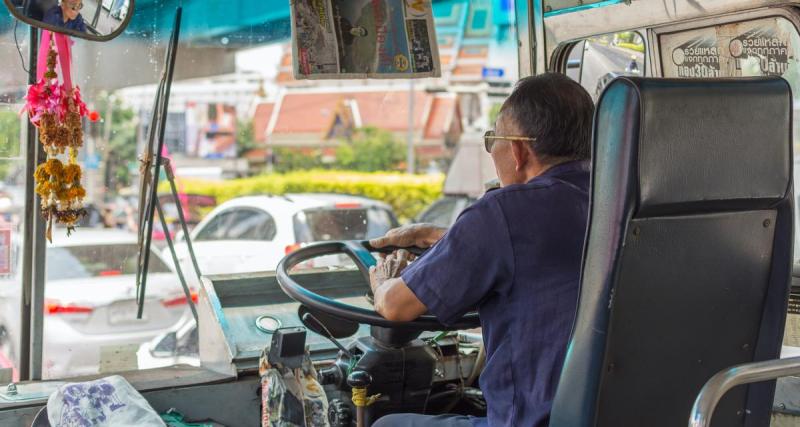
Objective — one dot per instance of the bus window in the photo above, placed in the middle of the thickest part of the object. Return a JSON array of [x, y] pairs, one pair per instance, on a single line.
[[596, 61]]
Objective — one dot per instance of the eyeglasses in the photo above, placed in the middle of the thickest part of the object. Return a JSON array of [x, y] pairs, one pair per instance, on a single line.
[[74, 6], [489, 138]]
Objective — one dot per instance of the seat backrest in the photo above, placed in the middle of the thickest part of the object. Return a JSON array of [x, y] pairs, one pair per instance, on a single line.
[[687, 262]]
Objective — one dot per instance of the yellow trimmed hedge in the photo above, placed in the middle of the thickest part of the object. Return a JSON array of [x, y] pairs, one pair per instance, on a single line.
[[407, 194], [631, 46]]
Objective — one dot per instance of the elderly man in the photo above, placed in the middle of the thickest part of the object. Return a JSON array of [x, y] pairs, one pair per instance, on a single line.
[[515, 255], [66, 15]]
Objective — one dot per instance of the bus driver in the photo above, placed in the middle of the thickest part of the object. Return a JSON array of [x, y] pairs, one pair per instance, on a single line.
[[515, 255], [66, 15]]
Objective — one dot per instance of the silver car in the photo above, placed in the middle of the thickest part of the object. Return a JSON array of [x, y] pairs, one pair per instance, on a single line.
[[90, 306]]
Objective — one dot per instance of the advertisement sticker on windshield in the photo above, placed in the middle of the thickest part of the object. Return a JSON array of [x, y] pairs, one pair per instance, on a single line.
[[692, 54], [346, 39], [761, 47]]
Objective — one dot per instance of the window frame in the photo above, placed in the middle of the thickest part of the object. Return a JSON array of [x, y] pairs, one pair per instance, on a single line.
[[561, 55]]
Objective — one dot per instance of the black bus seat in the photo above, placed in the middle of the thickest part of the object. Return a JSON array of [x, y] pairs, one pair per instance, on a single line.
[[688, 258]]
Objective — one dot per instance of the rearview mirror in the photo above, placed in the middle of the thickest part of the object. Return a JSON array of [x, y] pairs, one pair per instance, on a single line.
[[573, 64], [97, 20]]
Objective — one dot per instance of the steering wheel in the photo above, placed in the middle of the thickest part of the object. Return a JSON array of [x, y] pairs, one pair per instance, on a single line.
[[361, 253]]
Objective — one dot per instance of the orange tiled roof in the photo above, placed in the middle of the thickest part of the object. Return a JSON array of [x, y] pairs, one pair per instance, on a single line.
[[468, 70], [261, 121], [473, 52], [310, 113], [286, 59], [440, 117]]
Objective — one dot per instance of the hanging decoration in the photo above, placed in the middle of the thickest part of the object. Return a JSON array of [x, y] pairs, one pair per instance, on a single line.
[[56, 109]]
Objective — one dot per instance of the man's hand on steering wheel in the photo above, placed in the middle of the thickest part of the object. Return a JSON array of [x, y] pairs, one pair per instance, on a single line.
[[419, 235], [396, 304], [388, 267]]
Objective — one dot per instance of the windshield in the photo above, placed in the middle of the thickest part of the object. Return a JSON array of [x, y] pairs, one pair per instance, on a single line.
[[342, 224], [244, 132], [83, 262]]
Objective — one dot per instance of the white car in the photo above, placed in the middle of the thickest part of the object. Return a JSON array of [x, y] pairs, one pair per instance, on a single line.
[[252, 234], [90, 301]]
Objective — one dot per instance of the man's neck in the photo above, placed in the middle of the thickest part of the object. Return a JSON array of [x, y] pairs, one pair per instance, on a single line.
[[538, 168]]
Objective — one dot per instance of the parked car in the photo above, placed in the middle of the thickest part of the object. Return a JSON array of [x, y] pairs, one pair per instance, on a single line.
[[90, 301], [250, 234], [193, 205]]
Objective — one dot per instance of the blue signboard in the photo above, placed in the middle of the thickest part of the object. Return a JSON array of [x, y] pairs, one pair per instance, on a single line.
[[489, 73]]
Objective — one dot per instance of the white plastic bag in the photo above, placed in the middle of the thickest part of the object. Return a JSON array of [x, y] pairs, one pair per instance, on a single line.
[[110, 401]]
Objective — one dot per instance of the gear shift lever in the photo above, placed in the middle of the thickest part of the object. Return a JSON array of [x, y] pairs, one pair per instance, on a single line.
[[358, 382]]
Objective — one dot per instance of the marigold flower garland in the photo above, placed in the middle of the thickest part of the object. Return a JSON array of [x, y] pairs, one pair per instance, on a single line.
[[57, 110]]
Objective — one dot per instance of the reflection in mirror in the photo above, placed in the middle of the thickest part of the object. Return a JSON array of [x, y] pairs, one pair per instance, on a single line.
[[90, 19]]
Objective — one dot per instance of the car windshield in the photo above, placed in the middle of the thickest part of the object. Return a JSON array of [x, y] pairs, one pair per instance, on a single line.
[[341, 224], [83, 262]]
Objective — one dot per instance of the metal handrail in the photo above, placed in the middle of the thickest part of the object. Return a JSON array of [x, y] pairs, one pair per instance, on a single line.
[[747, 373]]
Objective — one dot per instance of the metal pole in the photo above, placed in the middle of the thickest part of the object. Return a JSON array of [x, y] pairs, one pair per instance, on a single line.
[[747, 373], [37, 295], [31, 210], [170, 172], [410, 156], [539, 60], [175, 260]]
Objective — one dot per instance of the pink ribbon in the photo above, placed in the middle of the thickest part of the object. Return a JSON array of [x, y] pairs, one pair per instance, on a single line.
[[64, 56]]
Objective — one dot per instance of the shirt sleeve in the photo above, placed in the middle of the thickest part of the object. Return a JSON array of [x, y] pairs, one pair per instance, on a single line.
[[50, 17], [470, 262]]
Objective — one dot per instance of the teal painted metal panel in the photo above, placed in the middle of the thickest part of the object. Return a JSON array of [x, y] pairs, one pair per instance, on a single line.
[[247, 22], [205, 19], [582, 5]]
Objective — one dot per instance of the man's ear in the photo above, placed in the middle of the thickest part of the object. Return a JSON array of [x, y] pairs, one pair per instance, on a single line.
[[521, 153]]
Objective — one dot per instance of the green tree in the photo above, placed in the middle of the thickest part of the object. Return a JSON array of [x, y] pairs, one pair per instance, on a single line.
[[494, 111], [245, 137], [10, 128], [120, 150], [292, 159], [371, 150]]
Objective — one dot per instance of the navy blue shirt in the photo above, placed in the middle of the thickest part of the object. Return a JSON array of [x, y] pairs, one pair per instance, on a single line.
[[55, 17], [515, 255]]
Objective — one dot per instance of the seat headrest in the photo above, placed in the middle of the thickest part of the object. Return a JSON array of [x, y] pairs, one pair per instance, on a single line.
[[702, 144]]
